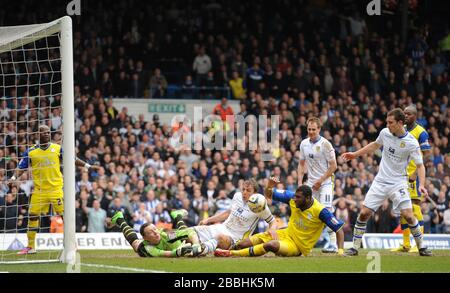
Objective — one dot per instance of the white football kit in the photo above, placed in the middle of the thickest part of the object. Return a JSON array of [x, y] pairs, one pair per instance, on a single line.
[[317, 156], [240, 223], [392, 180]]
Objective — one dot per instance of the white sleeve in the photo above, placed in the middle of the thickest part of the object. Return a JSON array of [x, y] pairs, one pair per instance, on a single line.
[[416, 155], [266, 215], [330, 154], [380, 138]]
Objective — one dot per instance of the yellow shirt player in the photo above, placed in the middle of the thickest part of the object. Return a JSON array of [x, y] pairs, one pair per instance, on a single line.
[[45, 162], [422, 137], [307, 221]]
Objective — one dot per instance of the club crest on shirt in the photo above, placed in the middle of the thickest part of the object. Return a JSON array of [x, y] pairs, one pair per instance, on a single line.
[[52, 150], [318, 148], [402, 144]]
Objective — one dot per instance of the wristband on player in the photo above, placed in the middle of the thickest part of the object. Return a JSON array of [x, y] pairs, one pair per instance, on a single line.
[[87, 166]]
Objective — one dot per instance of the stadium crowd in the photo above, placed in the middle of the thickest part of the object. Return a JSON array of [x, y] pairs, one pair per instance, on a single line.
[[293, 63]]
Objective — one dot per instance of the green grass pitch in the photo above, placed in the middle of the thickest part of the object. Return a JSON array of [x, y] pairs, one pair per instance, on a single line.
[[120, 261]]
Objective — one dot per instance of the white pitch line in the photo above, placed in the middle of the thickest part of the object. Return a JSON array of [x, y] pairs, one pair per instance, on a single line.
[[121, 268]]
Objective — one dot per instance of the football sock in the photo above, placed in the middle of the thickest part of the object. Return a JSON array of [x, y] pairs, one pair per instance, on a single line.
[[33, 227], [416, 231], [358, 232], [256, 250], [417, 211], [179, 223], [127, 231], [405, 230]]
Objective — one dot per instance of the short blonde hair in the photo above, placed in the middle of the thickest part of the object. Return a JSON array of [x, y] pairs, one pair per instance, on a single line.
[[314, 120]]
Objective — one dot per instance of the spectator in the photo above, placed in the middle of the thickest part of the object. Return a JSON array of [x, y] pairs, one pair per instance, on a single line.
[[158, 84], [151, 201], [237, 86], [202, 65], [117, 205], [80, 218], [384, 218], [161, 218], [141, 216], [222, 202], [96, 217], [57, 224]]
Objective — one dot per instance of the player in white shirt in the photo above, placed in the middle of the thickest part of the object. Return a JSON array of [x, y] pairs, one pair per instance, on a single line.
[[225, 229], [399, 148], [318, 159]]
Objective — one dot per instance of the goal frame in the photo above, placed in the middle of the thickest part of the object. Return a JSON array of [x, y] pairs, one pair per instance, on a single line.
[[12, 37]]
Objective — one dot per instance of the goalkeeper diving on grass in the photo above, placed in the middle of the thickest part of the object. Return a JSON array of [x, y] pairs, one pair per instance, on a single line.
[[159, 243], [308, 219]]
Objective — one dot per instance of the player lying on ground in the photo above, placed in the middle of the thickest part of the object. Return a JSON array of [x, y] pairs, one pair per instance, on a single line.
[[308, 219], [238, 222], [158, 243], [45, 160], [399, 148]]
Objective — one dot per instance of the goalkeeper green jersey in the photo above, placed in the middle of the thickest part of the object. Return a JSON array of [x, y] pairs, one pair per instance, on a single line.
[[170, 241]]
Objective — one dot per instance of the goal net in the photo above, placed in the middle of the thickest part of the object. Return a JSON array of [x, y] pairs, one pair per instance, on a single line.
[[36, 88]]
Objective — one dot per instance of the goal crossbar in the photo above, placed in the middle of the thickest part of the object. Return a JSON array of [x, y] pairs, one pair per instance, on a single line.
[[12, 37]]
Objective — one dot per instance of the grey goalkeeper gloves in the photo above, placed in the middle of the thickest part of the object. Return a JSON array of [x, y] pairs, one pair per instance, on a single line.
[[184, 249]]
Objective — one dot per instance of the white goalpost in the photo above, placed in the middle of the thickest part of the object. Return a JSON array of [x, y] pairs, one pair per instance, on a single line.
[[36, 87]]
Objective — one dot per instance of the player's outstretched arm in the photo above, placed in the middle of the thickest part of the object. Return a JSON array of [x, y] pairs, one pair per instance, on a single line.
[[268, 191], [216, 218], [370, 148], [182, 250], [148, 250], [81, 163]]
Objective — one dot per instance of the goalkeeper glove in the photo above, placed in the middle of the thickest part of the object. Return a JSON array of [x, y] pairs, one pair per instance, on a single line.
[[184, 249], [197, 249]]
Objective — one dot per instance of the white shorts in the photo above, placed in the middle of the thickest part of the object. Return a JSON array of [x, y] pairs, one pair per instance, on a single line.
[[397, 193], [324, 195], [206, 233]]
